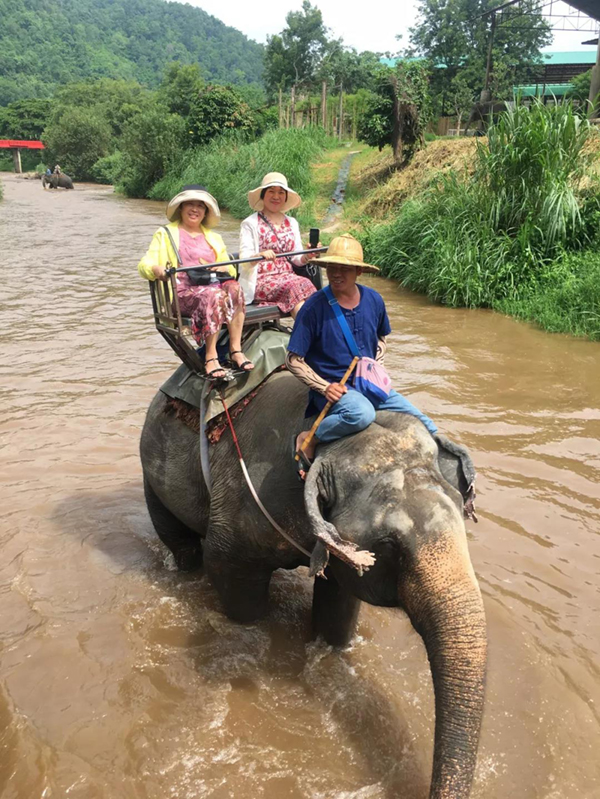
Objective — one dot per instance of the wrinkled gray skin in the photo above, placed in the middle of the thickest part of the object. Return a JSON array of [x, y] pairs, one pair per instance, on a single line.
[[381, 489], [57, 181]]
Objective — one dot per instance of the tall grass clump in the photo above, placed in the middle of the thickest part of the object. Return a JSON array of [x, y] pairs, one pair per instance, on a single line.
[[229, 167], [481, 239]]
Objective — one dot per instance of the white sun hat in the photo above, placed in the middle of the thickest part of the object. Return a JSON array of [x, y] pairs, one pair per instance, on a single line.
[[273, 179], [195, 192]]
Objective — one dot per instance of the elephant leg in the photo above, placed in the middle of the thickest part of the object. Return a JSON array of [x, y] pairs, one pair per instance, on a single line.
[[334, 611], [243, 589], [184, 543]]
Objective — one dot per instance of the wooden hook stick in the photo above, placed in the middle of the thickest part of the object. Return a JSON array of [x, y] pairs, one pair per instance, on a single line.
[[325, 411]]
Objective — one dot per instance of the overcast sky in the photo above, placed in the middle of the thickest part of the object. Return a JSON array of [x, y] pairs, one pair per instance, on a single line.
[[370, 25]]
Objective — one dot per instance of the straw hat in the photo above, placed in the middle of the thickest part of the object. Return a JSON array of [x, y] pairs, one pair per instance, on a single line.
[[195, 192], [347, 251], [273, 179]]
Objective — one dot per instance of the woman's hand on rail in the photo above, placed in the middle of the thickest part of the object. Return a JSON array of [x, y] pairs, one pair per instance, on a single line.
[[310, 256], [219, 269], [160, 273], [268, 255]]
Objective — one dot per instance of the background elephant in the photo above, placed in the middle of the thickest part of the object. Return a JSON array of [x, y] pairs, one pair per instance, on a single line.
[[483, 114], [55, 181], [381, 489]]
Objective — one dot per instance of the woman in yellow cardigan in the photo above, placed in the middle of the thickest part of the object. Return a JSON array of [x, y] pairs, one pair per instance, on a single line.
[[192, 213]]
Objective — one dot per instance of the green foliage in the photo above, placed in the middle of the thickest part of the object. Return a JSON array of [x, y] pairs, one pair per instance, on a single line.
[[293, 57], [114, 101], [109, 168], [399, 110], [230, 167], [567, 303], [24, 119], [580, 87], [180, 87], [217, 110], [454, 35], [152, 142], [495, 237], [76, 140], [48, 43]]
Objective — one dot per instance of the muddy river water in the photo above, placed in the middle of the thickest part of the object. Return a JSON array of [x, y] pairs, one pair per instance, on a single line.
[[121, 679]]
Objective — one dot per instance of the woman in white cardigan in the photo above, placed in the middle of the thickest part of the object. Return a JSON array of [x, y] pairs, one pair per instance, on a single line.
[[267, 233]]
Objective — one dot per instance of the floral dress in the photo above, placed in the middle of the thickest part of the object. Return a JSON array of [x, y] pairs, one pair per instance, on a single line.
[[210, 306], [277, 284]]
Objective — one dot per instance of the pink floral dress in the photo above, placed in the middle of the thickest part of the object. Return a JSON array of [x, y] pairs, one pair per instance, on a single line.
[[211, 306], [277, 284]]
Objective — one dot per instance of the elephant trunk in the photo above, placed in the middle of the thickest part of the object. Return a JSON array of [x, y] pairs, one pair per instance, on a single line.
[[443, 601]]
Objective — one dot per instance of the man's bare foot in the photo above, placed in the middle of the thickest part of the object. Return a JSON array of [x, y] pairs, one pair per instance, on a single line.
[[308, 452]]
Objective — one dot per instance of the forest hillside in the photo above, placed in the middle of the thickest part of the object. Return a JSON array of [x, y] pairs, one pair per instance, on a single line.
[[48, 43]]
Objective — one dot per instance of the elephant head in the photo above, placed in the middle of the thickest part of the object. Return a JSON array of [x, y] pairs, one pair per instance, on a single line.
[[391, 499]]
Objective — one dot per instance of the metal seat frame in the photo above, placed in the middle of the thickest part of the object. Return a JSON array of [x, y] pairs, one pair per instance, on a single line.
[[176, 328]]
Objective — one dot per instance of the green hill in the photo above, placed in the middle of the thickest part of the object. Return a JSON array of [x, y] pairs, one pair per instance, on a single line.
[[47, 43]]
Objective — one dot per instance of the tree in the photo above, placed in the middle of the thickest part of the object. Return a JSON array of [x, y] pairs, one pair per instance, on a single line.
[[455, 36], [292, 58], [217, 110], [462, 98], [180, 87], [152, 141], [77, 140], [399, 110], [24, 119]]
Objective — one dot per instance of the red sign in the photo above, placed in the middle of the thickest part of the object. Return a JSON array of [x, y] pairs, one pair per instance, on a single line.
[[21, 144]]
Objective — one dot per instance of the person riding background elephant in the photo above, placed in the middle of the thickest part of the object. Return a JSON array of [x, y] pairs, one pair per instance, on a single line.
[[57, 180], [376, 517]]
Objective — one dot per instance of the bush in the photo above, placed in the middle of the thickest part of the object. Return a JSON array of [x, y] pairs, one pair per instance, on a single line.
[[76, 140], [496, 236], [569, 302], [152, 142], [109, 169], [229, 167]]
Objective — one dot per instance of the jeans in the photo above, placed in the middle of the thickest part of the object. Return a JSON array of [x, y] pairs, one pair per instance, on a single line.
[[353, 412]]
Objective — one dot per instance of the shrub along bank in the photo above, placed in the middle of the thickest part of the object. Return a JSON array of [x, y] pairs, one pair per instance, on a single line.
[[230, 167], [518, 234]]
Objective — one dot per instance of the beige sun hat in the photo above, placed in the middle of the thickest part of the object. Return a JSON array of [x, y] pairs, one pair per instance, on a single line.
[[347, 251], [195, 192], [273, 179]]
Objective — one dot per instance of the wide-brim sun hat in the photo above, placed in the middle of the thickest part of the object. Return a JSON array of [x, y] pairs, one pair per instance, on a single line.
[[194, 191], [346, 251], [273, 179]]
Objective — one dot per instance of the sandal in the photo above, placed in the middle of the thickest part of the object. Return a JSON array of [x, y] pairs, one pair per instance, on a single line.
[[301, 463], [213, 372], [245, 366]]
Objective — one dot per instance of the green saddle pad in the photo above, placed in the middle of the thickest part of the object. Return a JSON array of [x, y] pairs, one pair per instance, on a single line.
[[267, 353]]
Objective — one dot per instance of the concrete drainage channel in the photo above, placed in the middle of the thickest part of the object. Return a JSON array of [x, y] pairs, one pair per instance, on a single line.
[[335, 209]]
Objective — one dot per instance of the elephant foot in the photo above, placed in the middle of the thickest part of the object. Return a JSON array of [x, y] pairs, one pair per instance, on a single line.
[[188, 559]]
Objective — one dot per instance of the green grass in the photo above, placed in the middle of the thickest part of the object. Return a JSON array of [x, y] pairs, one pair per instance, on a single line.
[[230, 167], [567, 303], [499, 238]]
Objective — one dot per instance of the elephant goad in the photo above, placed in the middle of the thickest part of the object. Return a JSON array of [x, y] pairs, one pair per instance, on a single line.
[[57, 181], [379, 491]]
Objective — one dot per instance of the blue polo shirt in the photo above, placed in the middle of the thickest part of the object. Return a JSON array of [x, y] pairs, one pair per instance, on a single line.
[[317, 336]]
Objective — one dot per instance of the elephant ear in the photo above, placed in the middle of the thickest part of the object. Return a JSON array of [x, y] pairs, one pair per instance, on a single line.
[[327, 538], [457, 468]]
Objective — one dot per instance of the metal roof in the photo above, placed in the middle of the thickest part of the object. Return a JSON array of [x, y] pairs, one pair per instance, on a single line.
[[589, 7]]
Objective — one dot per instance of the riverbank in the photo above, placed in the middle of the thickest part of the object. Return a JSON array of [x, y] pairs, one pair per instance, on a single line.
[[472, 223]]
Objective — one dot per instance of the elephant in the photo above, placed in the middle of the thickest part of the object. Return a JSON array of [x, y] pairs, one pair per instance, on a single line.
[[55, 181], [484, 113], [376, 518]]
